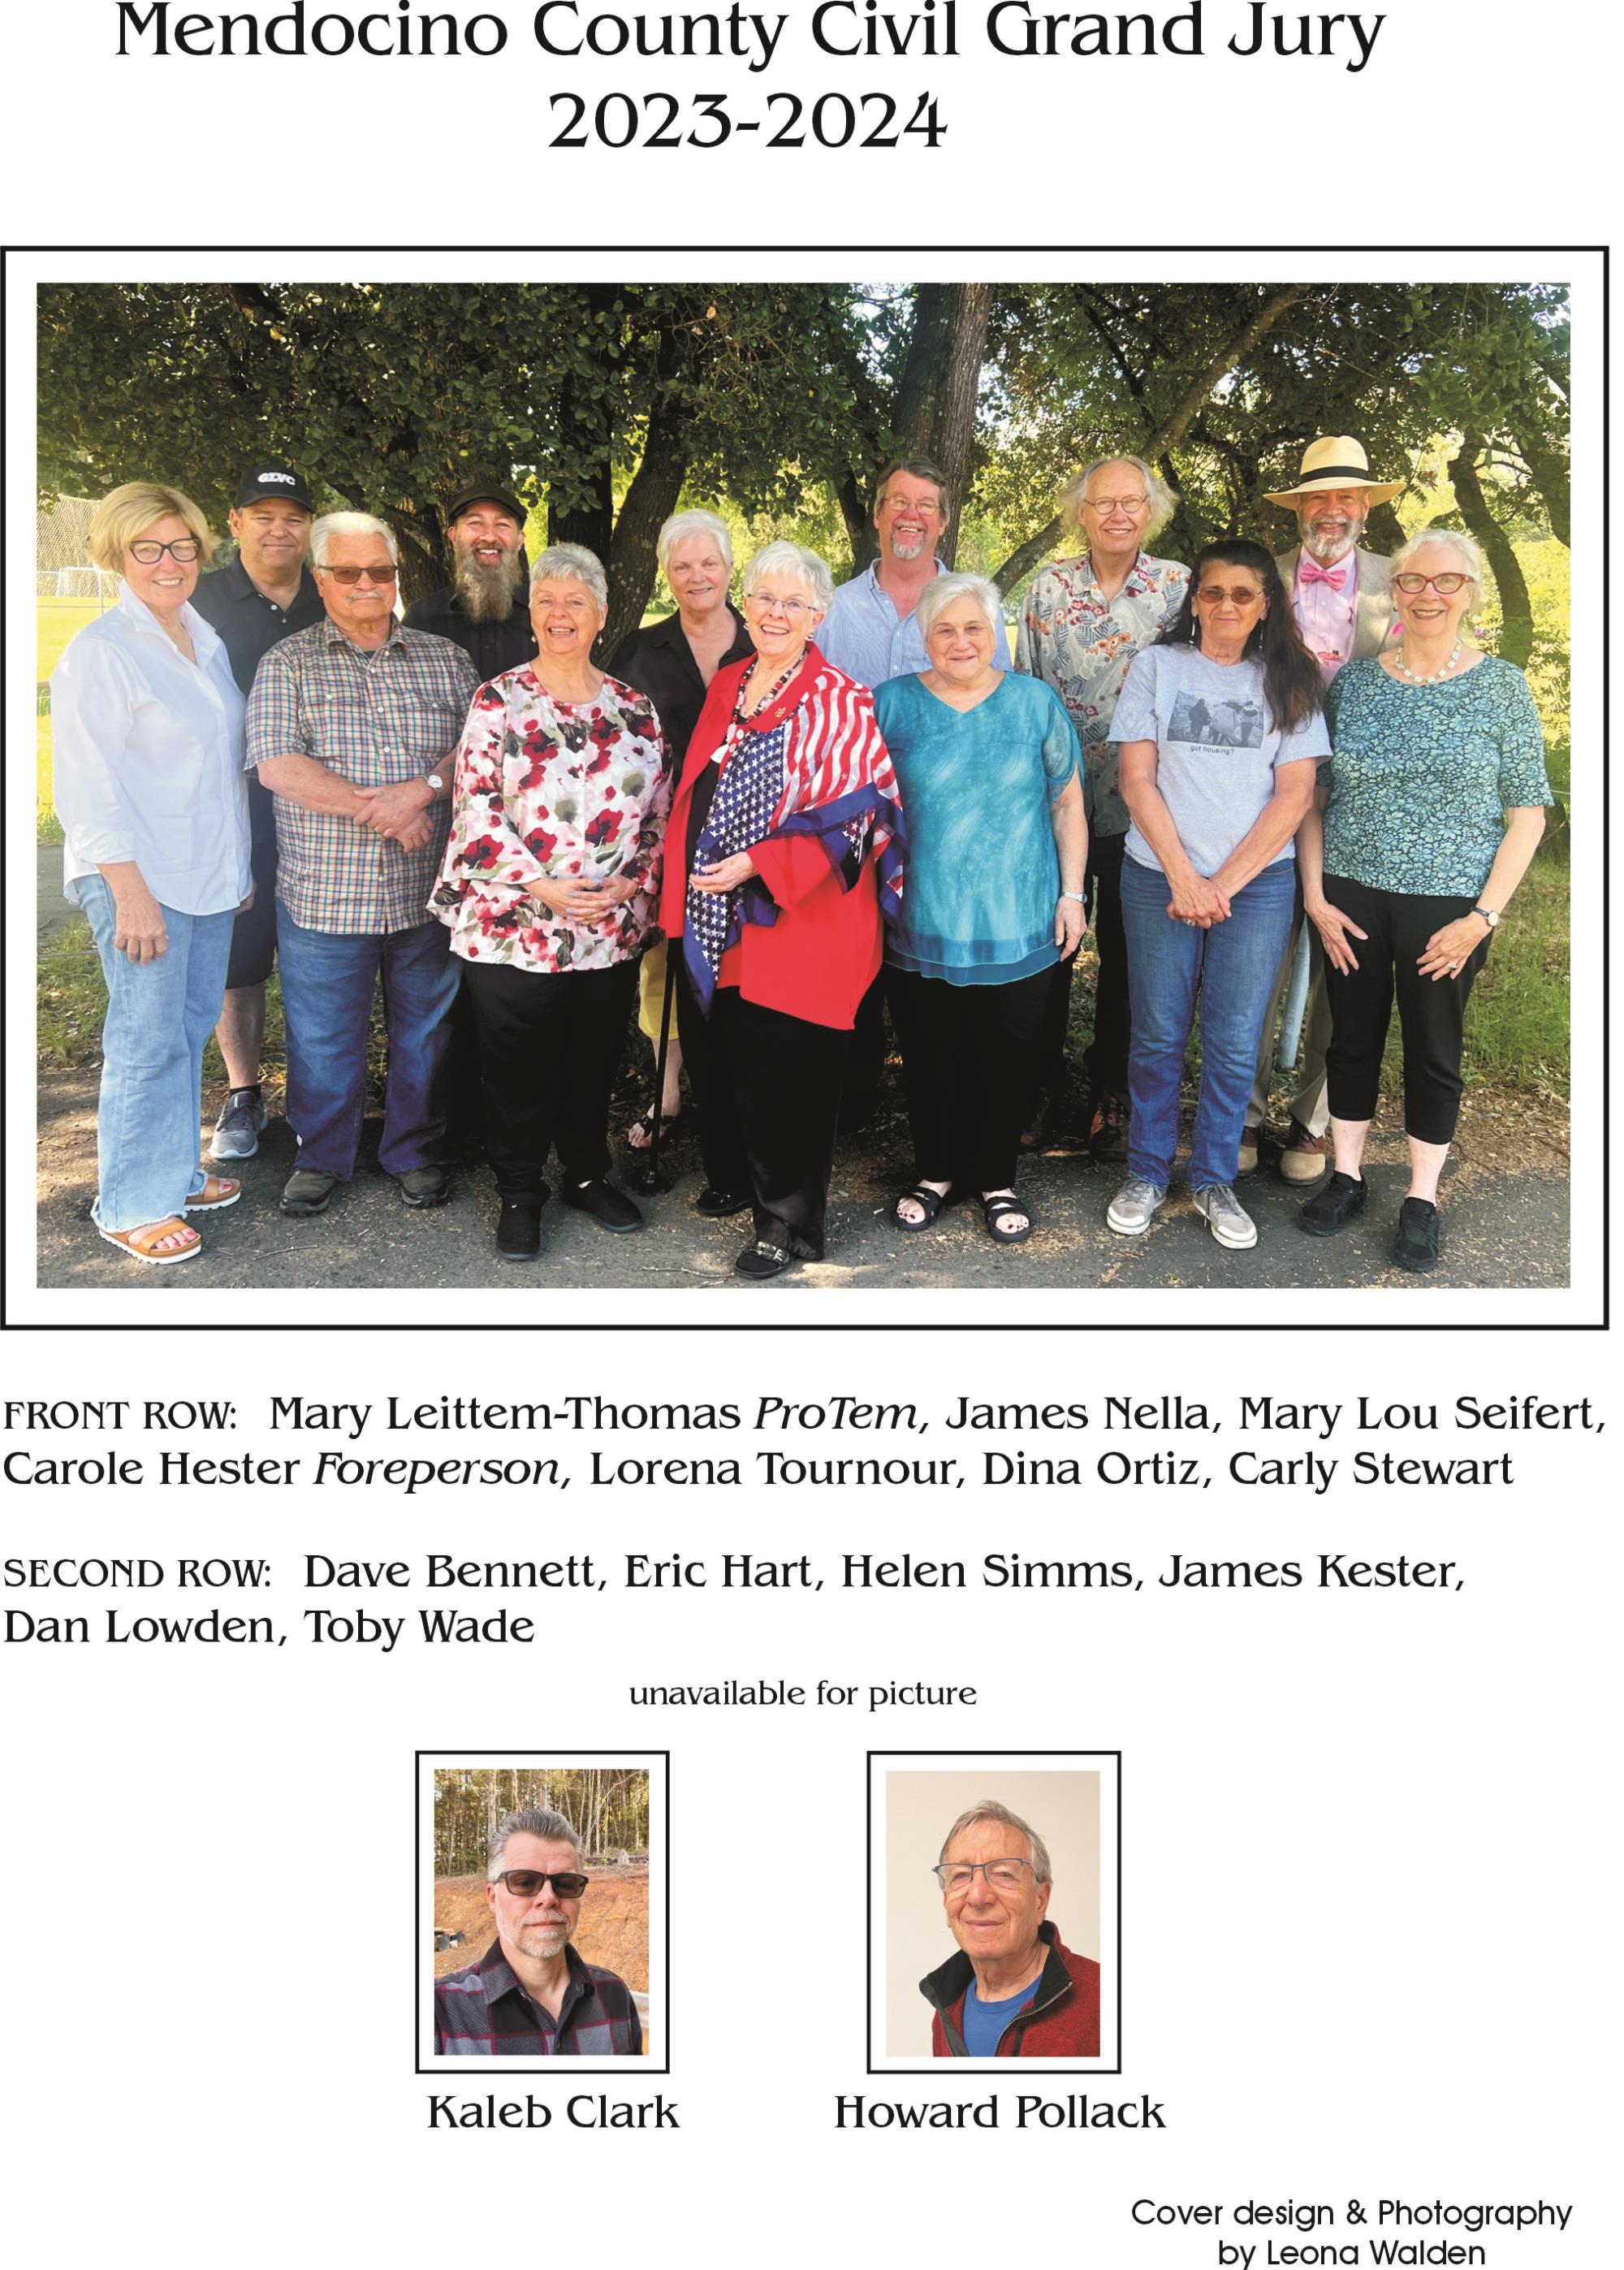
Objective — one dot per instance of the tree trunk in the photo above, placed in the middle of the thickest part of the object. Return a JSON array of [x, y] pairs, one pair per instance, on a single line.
[[1549, 470], [935, 398], [652, 498], [1516, 614], [952, 425], [1173, 429]]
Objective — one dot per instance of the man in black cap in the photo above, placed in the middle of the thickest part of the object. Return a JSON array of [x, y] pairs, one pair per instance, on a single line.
[[267, 592], [486, 607]]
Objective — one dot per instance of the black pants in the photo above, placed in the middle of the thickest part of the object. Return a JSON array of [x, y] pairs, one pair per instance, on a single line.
[[549, 1048], [970, 1053], [767, 1087], [1432, 1015], [865, 1058], [1105, 1060]]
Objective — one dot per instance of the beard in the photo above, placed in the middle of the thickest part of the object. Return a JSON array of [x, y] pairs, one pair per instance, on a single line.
[[1330, 540], [487, 594]]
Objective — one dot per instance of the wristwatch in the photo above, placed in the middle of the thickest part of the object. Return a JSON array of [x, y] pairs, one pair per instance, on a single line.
[[437, 781], [1491, 916], [1081, 896]]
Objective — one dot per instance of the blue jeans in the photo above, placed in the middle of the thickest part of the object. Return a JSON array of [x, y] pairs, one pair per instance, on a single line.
[[328, 979], [1232, 967], [159, 1016]]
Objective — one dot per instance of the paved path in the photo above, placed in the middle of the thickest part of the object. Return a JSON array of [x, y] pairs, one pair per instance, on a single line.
[[1505, 1227]]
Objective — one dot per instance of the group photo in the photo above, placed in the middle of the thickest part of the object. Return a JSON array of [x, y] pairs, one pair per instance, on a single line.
[[882, 786]]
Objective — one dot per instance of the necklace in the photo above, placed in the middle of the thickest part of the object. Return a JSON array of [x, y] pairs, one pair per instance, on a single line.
[[1437, 678]]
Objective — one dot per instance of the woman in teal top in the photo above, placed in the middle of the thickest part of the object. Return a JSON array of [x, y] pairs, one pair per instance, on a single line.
[[1426, 823], [997, 844]]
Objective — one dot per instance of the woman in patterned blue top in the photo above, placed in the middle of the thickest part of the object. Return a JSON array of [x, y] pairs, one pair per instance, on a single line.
[[1424, 826], [988, 765]]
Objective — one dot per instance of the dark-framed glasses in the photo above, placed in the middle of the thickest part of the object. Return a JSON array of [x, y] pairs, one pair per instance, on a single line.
[[524, 1883], [149, 551], [354, 574], [1003, 1875], [1445, 586]]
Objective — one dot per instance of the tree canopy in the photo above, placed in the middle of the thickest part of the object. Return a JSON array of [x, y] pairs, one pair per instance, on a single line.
[[606, 405]]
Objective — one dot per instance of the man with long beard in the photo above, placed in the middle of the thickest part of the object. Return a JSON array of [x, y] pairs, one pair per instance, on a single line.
[[530, 1994], [485, 607], [1340, 597]]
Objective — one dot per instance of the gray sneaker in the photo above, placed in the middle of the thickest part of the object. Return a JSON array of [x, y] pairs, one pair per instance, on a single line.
[[236, 1131], [1226, 1217], [1132, 1211]]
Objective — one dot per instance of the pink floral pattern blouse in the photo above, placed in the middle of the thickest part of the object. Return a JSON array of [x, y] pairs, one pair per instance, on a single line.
[[547, 791]]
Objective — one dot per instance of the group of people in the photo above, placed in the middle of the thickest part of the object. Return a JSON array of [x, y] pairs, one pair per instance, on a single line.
[[766, 824]]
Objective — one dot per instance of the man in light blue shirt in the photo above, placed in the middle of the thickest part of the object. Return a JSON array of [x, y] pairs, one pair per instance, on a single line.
[[871, 631]]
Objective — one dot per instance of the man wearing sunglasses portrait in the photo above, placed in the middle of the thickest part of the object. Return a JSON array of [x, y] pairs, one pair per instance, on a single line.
[[353, 726], [530, 1994], [1013, 1989]]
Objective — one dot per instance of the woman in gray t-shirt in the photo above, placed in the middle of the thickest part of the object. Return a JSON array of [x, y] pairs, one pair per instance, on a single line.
[[1221, 725]]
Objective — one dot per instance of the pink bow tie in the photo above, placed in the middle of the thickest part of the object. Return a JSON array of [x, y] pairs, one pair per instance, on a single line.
[[1309, 571]]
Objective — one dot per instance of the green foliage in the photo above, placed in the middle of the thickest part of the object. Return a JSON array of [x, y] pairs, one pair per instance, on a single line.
[[606, 1805]]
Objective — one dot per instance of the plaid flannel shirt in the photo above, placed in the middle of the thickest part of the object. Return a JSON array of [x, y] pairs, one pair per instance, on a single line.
[[485, 2012], [375, 718]]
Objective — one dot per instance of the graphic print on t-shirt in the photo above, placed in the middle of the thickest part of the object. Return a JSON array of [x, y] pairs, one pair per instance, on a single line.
[[1199, 719]]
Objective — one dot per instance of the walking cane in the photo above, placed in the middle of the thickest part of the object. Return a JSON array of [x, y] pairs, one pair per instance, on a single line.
[[648, 1178]]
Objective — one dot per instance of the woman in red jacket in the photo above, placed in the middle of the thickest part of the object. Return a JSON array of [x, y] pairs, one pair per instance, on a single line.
[[783, 853]]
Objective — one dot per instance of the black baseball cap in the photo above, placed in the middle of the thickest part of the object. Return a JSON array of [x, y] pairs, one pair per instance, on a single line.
[[271, 477], [500, 498]]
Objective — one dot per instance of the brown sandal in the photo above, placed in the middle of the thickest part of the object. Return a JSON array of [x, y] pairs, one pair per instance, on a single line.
[[217, 1190], [141, 1244]]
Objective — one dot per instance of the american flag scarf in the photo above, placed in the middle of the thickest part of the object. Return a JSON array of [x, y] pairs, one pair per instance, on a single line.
[[809, 762]]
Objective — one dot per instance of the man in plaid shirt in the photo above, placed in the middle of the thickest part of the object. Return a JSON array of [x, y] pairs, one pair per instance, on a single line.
[[530, 1994], [353, 725]]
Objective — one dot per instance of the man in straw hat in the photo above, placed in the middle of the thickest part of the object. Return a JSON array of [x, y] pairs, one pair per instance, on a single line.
[[1340, 597]]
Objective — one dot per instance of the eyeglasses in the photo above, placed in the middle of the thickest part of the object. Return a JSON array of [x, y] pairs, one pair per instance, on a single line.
[[764, 603], [1116, 504], [524, 1883], [1003, 1875], [1243, 595], [149, 552], [354, 574], [920, 505], [1445, 586]]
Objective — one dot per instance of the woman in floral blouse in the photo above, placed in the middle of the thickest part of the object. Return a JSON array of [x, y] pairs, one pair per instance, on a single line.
[[1431, 812], [549, 887]]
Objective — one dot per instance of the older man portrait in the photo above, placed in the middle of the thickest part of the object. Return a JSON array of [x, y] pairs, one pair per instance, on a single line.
[[530, 1994], [353, 726], [1013, 1989]]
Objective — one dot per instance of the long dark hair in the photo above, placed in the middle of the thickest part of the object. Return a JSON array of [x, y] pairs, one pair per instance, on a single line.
[[1292, 684]]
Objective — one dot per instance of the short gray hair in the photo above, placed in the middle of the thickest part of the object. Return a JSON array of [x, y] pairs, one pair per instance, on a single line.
[[941, 591], [989, 1809], [1163, 500], [784, 558], [348, 523], [1470, 551], [695, 521], [562, 563], [531, 1820]]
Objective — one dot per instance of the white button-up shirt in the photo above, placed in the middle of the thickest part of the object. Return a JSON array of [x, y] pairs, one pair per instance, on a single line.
[[146, 752]]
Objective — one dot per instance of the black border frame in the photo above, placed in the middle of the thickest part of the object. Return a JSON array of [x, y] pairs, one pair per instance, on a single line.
[[493, 2070], [1600, 1324], [979, 2068]]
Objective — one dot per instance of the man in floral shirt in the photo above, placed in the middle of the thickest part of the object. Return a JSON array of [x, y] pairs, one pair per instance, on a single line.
[[1083, 621]]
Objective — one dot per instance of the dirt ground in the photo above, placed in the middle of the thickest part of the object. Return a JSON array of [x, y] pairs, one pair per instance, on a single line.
[[1505, 1197]]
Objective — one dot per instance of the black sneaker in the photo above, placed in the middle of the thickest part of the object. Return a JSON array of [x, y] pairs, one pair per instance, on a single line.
[[1416, 1246], [717, 1205], [518, 1229], [607, 1207], [1330, 1211]]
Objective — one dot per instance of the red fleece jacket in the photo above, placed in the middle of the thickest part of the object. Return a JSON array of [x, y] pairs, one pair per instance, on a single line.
[[1062, 2019]]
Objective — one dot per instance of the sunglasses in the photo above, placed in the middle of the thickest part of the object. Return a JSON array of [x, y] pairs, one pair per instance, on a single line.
[[354, 574], [524, 1883]]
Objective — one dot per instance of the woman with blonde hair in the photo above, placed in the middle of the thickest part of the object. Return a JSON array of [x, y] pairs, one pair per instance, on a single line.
[[146, 745]]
